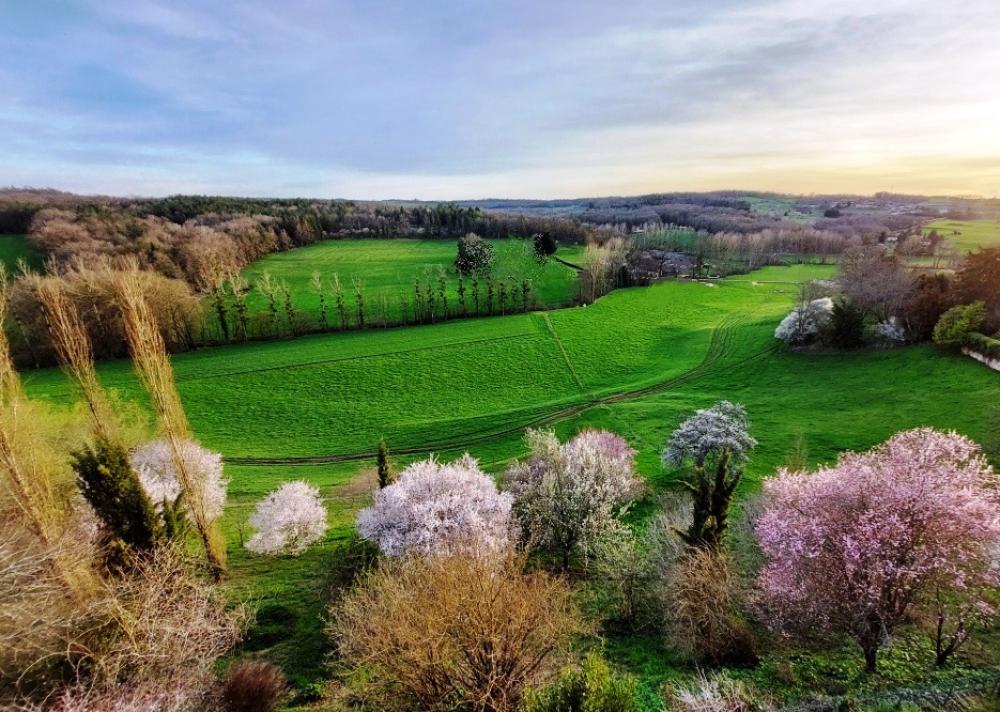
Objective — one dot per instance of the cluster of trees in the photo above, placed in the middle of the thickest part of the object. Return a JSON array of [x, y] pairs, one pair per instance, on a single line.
[[101, 604], [878, 299], [470, 599]]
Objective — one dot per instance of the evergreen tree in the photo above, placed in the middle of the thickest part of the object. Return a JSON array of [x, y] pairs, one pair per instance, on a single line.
[[112, 488], [384, 473], [847, 324]]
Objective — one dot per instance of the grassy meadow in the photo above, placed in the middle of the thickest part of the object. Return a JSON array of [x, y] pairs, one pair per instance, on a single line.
[[637, 362], [389, 268], [15, 249], [967, 235]]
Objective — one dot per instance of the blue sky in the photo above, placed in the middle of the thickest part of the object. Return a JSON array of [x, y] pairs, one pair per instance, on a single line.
[[442, 99]]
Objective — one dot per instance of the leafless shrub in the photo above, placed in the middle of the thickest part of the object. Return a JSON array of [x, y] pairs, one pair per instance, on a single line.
[[704, 613], [716, 693], [438, 631], [253, 686]]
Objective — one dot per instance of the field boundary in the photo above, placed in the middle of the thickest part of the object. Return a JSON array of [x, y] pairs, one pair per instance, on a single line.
[[569, 364], [338, 359], [720, 344]]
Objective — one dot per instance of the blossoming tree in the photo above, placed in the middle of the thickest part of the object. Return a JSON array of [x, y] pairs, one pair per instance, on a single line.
[[717, 442], [288, 520], [435, 508], [155, 463], [852, 548], [566, 494]]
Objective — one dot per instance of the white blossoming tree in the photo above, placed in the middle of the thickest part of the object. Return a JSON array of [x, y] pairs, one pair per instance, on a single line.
[[567, 494], [288, 520], [435, 508], [805, 322], [157, 470], [717, 442]]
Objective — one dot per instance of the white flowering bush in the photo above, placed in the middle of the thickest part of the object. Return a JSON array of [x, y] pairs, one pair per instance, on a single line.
[[567, 495], [157, 469], [805, 322], [890, 331], [439, 508], [711, 432], [288, 520]]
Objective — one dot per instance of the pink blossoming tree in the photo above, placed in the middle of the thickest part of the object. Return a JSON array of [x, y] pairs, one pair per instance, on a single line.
[[854, 548]]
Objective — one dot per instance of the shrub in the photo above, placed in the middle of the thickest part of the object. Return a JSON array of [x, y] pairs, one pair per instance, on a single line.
[[475, 255], [805, 323], [983, 345], [890, 331], [852, 548], [955, 325], [591, 687], [716, 693], [568, 494], [434, 633], [705, 619], [253, 686], [436, 508], [288, 520]]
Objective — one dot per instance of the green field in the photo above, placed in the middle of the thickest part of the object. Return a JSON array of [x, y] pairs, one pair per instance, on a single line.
[[387, 269], [15, 249], [967, 235], [637, 361]]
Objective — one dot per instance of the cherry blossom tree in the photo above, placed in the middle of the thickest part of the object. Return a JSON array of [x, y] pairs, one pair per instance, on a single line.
[[439, 508], [157, 470], [288, 520], [567, 494], [852, 549], [717, 442]]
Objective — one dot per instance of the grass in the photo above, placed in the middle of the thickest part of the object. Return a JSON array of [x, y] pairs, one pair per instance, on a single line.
[[17, 248], [637, 362], [968, 235], [388, 268]]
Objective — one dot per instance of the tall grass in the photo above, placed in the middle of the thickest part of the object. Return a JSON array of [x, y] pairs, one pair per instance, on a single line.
[[149, 356]]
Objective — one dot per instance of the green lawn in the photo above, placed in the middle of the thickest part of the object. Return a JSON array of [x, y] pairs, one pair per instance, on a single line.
[[387, 269], [968, 235], [637, 361], [17, 248]]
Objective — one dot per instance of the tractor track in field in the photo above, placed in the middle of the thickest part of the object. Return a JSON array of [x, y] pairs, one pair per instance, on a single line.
[[720, 345]]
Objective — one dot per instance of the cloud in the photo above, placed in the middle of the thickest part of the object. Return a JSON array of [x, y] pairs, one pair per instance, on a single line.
[[465, 99]]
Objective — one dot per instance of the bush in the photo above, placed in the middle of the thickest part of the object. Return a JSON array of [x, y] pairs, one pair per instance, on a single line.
[[957, 323], [983, 344], [253, 686], [704, 596], [434, 633], [592, 687], [718, 693], [805, 323], [545, 245]]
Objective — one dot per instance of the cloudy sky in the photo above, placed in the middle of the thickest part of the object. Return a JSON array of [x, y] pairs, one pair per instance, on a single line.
[[510, 98]]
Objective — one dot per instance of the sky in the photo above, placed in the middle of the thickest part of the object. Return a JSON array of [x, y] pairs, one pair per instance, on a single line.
[[458, 99]]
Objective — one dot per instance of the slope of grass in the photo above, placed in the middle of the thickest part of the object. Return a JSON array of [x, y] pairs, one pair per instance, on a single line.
[[389, 268], [637, 362], [968, 235], [15, 248]]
